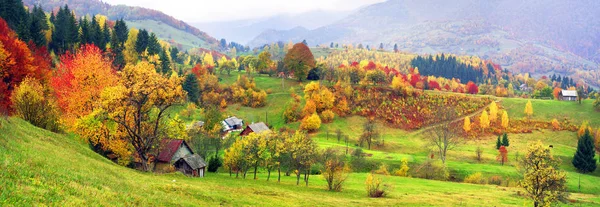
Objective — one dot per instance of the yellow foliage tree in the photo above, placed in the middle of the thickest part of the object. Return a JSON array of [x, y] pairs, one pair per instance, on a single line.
[[403, 171], [555, 124], [543, 181], [311, 123], [467, 124], [493, 112], [505, 120], [208, 60], [528, 109], [309, 109], [582, 128], [223, 104], [484, 120], [138, 105], [130, 54]]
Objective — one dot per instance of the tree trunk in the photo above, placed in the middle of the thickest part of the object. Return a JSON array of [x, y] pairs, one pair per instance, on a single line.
[[268, 174], [255, 169], [298, 177], [307, 176], [237, 173], [279, 176]]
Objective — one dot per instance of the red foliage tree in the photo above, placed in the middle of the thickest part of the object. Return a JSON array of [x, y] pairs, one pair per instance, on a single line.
[[434, 85], [472, 88], [16, 63], [503, 155], [370, 66]]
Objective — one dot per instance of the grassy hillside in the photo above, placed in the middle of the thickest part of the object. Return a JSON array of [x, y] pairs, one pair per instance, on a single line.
[[167, 33], [43, 168]]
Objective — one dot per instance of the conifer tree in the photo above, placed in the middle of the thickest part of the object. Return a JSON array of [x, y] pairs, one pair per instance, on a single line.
[[498, 143], [584, 159], [505, 140]]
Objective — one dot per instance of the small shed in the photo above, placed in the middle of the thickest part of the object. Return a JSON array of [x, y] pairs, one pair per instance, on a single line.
[[232, 123], [191, 165], [567, 95], [256, 128]]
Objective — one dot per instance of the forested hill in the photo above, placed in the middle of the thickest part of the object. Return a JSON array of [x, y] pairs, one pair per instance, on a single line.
[[540, 37], [145, 18]]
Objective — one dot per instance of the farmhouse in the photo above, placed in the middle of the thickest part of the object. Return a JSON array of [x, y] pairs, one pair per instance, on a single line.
[[568, 95], [256, 128], [178, 154], [232, 123]]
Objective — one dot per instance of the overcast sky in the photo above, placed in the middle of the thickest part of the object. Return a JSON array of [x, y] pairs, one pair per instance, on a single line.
[[223, 10]]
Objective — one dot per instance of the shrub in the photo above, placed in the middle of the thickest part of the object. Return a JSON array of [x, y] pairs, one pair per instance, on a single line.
[[335, 170], [433, 170], [555, 124], [403, 171], [214, 164], [375, 186], [475, 178], [383, 170], [30, 103], [311, 123], [495, 180], [327, 116]]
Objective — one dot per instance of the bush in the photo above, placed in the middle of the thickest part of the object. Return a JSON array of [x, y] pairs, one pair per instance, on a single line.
[[311, 123], [327, 116], [383, 170], [375, 186], [475, 178], [433, 170], [30, 103], [403, 171], [495, 180], [214, 164]]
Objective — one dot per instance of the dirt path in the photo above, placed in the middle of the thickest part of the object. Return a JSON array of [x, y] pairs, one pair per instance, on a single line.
[[454, 120]]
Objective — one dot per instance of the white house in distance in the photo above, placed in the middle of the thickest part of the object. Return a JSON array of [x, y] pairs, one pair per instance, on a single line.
[[232, 123], [568, 95]]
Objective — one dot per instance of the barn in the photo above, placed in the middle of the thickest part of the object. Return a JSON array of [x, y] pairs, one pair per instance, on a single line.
[[256, 128], [568, 95], [176, 154]]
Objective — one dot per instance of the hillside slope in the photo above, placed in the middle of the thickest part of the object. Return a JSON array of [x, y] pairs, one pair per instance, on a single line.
[[540, 37], [43, 168], [152, 20]]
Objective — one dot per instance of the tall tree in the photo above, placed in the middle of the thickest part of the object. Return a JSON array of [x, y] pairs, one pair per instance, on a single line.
[[370, 133], [38, 26], [16, 16], [528, 109], [299, 60], [443, 137], [65, 34], [153, 45], [543, 180], [190, 85], [584, 159], [138, 105], [165, 63], [141, 43]]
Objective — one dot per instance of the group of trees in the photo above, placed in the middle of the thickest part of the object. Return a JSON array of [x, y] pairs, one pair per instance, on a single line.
[[272, 151], [449, 67]]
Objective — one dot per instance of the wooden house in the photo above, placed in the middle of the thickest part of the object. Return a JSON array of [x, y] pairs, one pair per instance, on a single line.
[[256, 128], [176, 154], [567, 95]]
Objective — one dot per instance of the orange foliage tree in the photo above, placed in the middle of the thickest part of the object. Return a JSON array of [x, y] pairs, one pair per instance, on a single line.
[[503, 155], [79, 80], [16, 63]]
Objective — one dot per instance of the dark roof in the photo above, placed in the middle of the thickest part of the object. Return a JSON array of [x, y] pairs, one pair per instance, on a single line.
[[232, 121], [168, 147], [259, 127], [194, 161]]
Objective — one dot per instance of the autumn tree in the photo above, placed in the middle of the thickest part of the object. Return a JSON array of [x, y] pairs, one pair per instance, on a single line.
[[502, 155], [234, 159], [584, 159], [370, 133], [302, 153], [32, 104], [467, 124], [335, 170], [493, 112], [543, 180], [311, 123], [505, 120], [528, 109], [443, 137], [299, 60], [130, 53], [79, 81], [484, 121], [138, 105]]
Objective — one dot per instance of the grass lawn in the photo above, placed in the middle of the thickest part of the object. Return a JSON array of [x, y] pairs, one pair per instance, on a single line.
[[43, 168], [552, 109]]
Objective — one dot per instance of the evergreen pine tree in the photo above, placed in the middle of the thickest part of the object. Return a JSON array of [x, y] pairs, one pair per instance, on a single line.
[[153, 45], [498, 143], [505, 140], [190, 85], [38, 26], [584, 156], [165, 64], [142, 41]]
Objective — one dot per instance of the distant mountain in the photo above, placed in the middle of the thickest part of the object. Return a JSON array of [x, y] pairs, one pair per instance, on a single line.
[[166, 27], [242, 31], [537, 36]]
